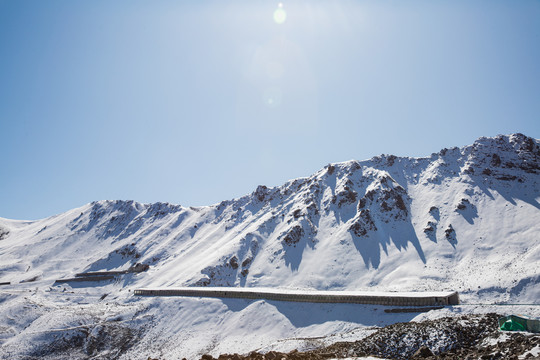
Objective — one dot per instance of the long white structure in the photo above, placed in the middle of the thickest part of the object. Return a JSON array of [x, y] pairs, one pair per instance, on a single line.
[[355, 297]]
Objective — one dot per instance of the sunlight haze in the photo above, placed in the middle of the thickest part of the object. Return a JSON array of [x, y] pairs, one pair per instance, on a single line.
[[195, 102]]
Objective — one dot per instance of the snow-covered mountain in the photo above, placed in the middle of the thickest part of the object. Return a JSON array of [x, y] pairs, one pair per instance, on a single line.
[[448, 221], [465, 219]]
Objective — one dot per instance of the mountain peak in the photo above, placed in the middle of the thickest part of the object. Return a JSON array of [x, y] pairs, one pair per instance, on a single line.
[[390, 223]]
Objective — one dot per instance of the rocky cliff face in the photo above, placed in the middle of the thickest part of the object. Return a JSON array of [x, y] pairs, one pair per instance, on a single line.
[[391, 222]]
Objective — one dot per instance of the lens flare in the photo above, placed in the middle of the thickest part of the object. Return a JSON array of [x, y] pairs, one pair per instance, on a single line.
[[280, 15], [272, 97]]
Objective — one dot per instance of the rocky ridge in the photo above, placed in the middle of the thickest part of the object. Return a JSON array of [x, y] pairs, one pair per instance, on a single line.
[[452, 338]]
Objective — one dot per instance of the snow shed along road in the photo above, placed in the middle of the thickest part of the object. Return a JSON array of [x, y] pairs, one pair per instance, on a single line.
[[355, 297]]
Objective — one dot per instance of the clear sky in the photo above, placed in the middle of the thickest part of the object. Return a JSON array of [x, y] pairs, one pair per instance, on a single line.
[[194, 102]]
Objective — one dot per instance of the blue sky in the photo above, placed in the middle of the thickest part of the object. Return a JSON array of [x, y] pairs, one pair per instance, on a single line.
[[194, 102]]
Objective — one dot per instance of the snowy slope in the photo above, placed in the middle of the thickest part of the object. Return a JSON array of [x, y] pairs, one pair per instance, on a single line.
[[464, 219]]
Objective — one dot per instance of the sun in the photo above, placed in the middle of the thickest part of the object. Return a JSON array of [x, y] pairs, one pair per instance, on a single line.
[[280, 15]]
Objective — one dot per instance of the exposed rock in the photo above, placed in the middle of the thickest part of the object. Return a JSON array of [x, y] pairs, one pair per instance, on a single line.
[[3, 233], [138, 267], [507, 177], [390, 159], [355, 166], [392, 201], [462, 337], [293, 236], [423, 352], [463, 204], [449, 231], [247, 262], [312, 208], [110, 337], [495, 160], [260, 193], [430, 227], [387, 200], [362, 224], [450, 234], [233, 262], [128, 251], [330, 169], [346, 196]]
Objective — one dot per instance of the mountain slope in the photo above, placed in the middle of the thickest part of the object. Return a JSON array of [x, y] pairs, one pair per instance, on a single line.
[[448, 221], [464, 219]]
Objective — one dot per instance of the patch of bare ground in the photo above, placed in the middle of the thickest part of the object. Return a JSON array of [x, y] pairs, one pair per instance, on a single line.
[[463, 337]]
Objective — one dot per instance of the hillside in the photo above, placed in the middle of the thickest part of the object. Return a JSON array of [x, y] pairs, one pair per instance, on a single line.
[[464, 219]]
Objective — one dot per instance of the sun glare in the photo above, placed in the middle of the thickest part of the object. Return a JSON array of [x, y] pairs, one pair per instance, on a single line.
[[272, 97], [280, 15]]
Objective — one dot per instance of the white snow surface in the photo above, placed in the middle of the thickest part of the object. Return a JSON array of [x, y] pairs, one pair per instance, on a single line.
[[464, 219]]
